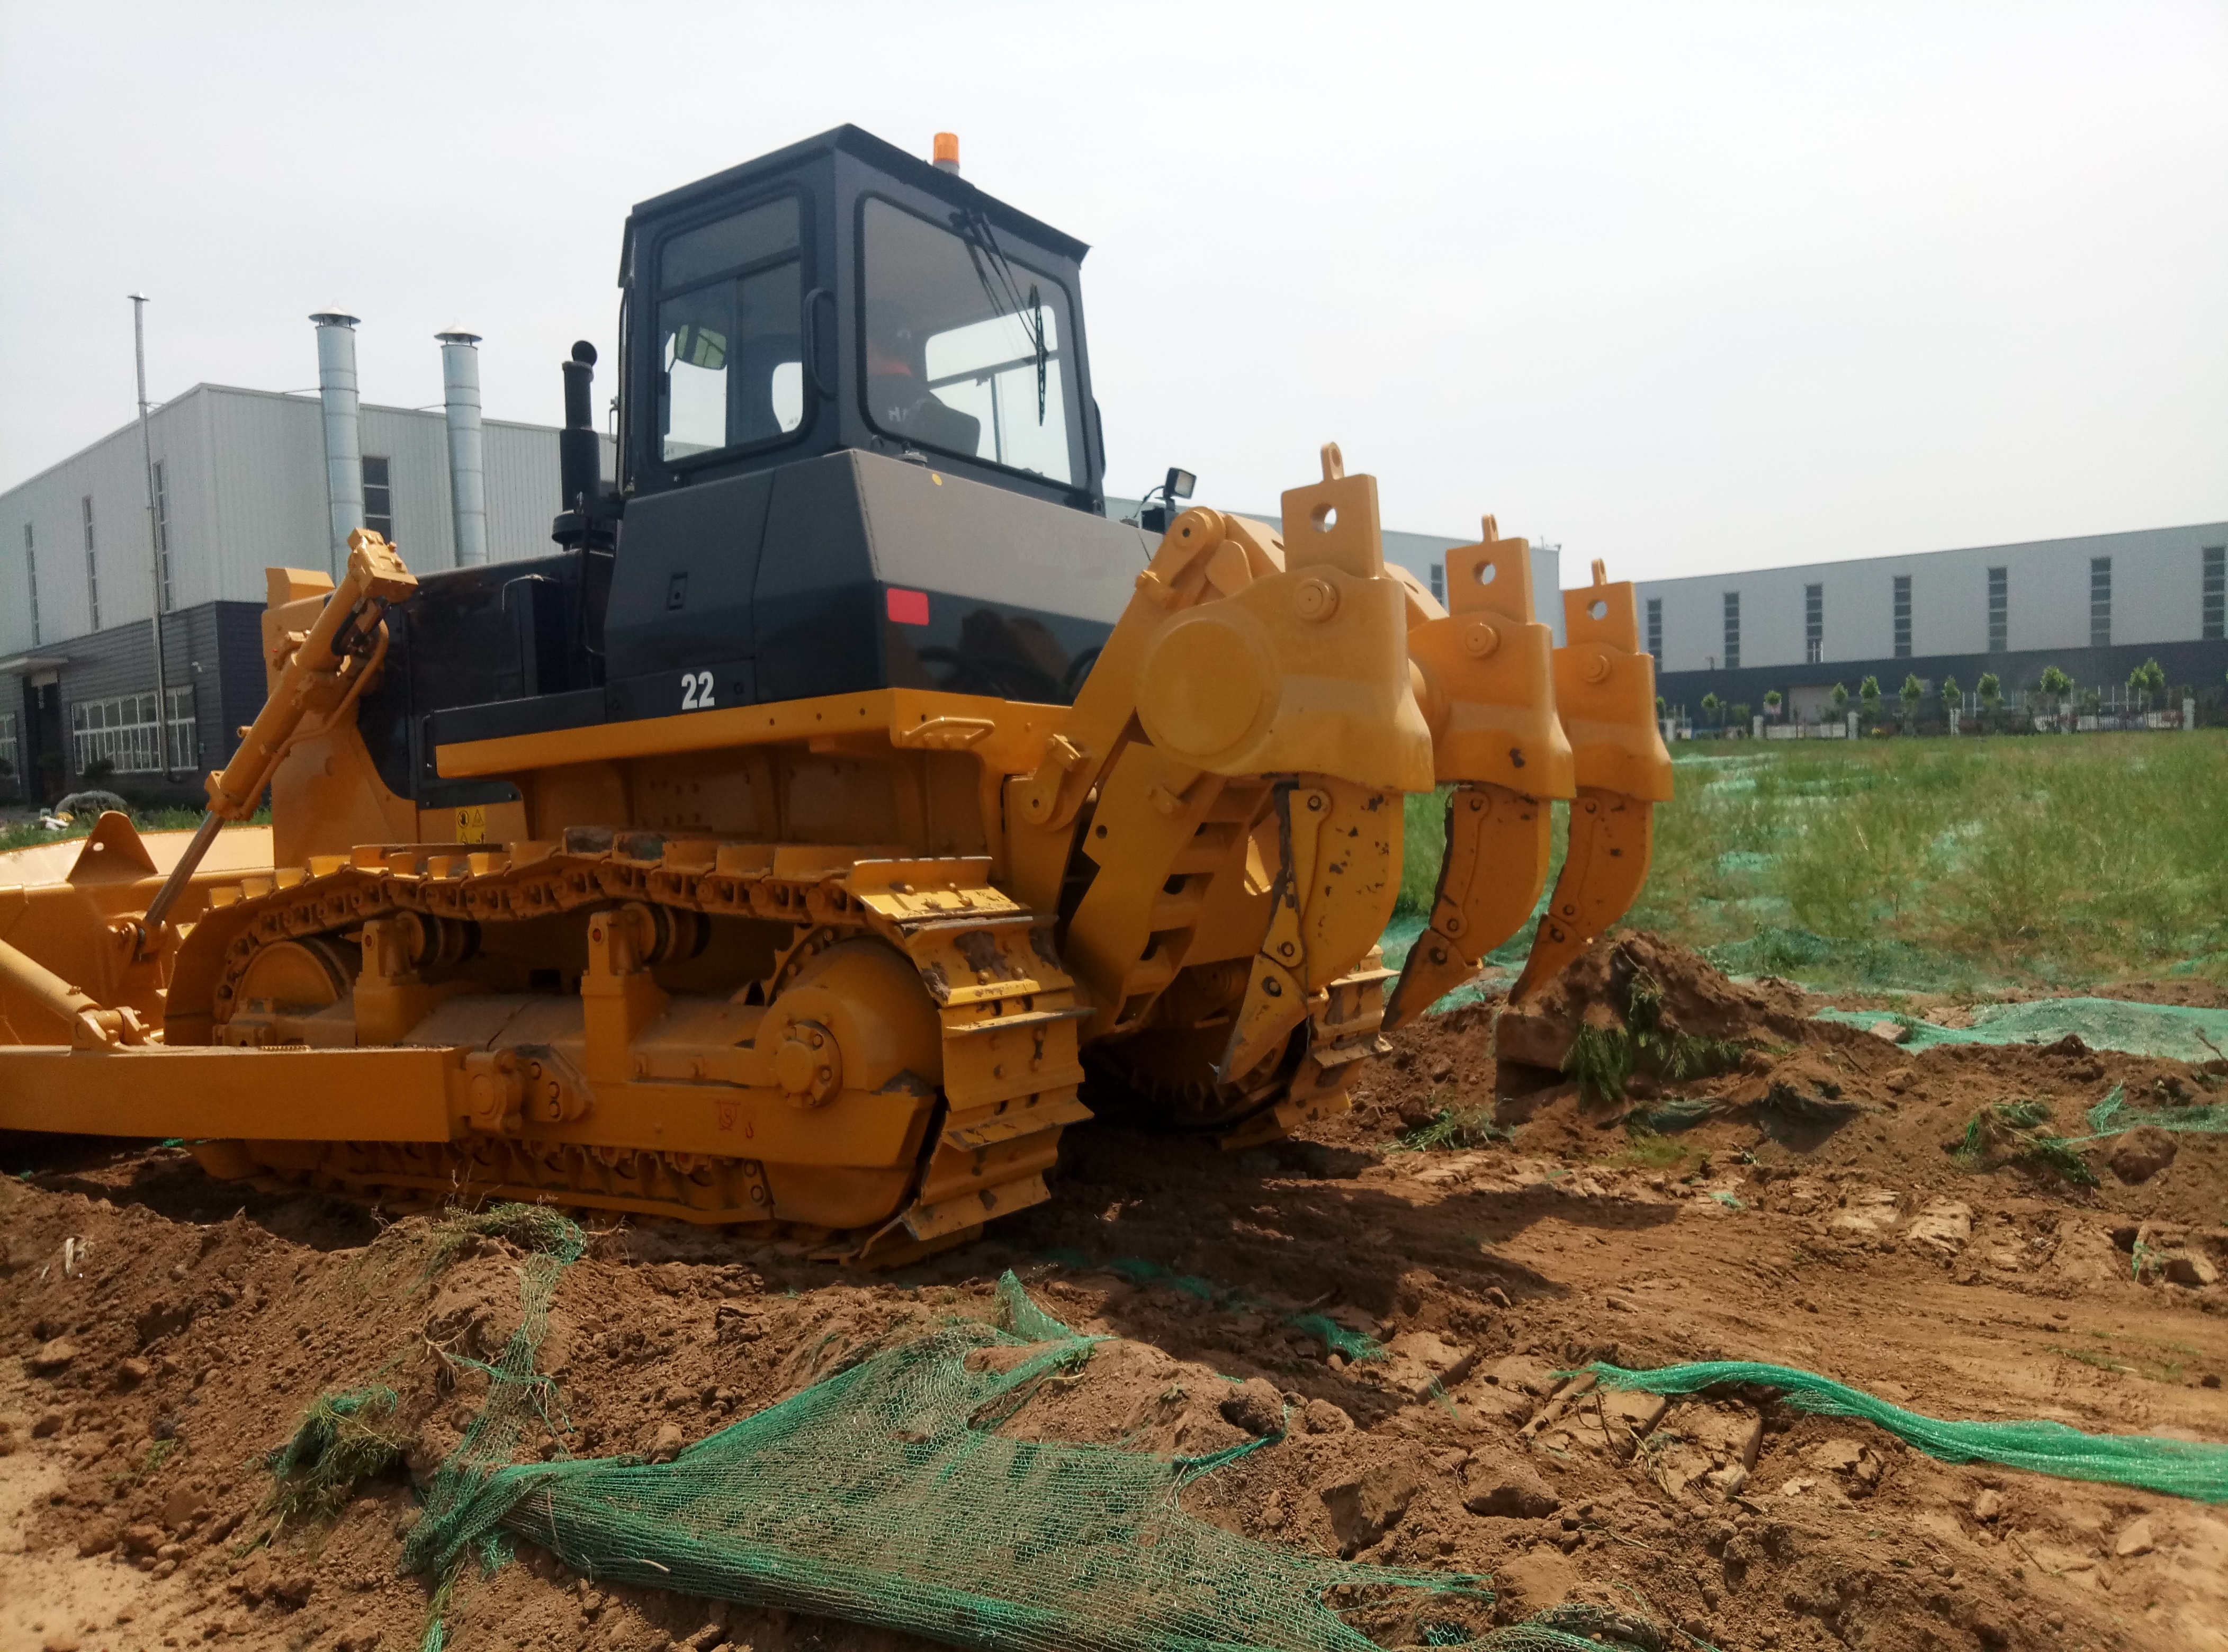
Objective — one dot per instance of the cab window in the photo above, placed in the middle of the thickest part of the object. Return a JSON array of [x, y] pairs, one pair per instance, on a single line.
[[966, 351], [730, 357]]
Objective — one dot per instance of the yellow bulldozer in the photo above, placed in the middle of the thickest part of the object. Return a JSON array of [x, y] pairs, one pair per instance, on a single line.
[[847, 790]]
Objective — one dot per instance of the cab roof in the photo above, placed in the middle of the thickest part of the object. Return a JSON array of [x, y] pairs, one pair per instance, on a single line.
[[909, 168]]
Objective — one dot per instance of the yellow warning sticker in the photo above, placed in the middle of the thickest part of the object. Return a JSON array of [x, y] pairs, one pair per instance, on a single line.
[[471, 824]]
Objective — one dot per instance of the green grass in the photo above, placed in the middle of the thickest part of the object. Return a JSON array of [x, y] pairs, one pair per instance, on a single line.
[[342, 1440], [2017, 1132], [1454, 1127], [145, 819], [1935, 863], [1646, 1150]]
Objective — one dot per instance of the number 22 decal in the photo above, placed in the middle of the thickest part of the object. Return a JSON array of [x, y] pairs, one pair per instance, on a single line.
[[696, 690]]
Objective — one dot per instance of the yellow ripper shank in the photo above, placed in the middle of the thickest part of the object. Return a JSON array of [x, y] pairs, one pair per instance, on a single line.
[[1483, 667], [1605, 689]]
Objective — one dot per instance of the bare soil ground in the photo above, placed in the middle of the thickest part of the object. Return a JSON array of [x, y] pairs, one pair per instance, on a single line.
[[161, 1331]]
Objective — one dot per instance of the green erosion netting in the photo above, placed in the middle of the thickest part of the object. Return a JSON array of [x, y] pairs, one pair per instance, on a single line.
[[881, 1496], [1823, 961], [2190, 1469], [2171, 1032], [456, 1515], [1341, 1340], [2112, 1115]]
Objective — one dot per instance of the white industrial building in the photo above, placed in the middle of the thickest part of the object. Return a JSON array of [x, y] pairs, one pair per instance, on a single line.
[[2095, 606], [240, 487], [242, 480]]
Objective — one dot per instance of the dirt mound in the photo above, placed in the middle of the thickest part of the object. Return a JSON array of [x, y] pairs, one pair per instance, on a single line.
[[1642, 985]]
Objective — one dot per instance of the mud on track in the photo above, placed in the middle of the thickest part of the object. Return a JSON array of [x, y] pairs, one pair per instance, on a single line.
[[159, 1332]]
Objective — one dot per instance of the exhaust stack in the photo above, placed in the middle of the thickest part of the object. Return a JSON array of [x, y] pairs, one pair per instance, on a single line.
[[337, 389], [460, 392]]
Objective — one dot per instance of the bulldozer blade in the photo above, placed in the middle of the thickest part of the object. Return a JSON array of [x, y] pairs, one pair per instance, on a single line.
[[1489, 881], [1611, 837]]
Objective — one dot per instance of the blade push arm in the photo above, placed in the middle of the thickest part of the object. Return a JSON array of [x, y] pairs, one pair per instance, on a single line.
[[327, 669]]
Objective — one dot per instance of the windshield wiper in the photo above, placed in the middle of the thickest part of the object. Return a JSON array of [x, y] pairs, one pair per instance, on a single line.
[[1004, 289]]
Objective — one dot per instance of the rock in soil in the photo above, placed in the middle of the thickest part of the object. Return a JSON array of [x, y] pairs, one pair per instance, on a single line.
[[2140, 1154]]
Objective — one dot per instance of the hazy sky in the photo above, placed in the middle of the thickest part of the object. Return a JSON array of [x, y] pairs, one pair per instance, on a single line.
[[1687, 286]]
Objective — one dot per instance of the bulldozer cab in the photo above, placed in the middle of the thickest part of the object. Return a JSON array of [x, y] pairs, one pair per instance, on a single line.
[[842, 294], [857, 450]]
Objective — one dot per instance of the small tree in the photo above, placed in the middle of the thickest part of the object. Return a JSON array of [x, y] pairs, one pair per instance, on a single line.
[[1710, 706], [1771, 703], [1910, 693], [1740, 716], [1868, 696], [1841, 698], [1951, 694], [1991, 690], [2147, 679], [2055, 683], [1659, 708]]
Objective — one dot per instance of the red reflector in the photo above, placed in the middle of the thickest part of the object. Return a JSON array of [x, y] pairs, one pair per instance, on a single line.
[[908, 607]]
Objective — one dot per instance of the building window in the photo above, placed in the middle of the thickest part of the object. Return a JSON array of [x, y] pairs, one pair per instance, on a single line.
[[31, 577], [2100, 602], [378, 499], [1733, 630], [1439, 581], [11, 754], [162, 536], [122, 731], [92, 571], [1814, 624], [2216, 592], [1903, 616], [2000, 610], [1655, 629]]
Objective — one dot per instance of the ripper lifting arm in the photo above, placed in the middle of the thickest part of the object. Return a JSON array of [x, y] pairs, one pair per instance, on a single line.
[[1250, 675], [324, 671]]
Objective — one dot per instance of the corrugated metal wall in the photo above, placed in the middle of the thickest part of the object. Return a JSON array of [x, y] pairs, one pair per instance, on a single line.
[[267, 458], [2156, 584], [245, 487], [52, 502]]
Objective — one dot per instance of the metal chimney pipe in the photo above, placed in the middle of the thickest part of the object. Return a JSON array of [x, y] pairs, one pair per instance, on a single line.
[[343, 448], [460, 392]]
